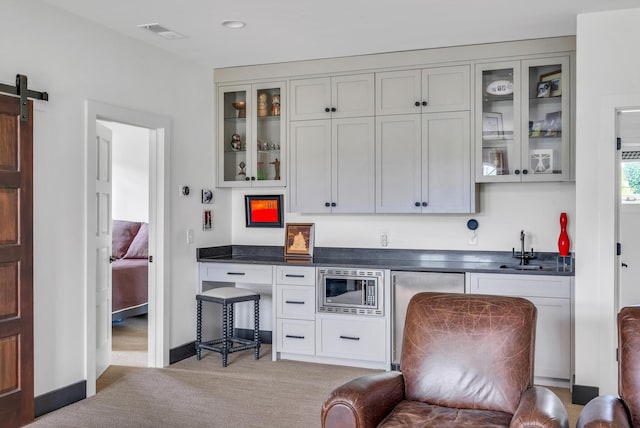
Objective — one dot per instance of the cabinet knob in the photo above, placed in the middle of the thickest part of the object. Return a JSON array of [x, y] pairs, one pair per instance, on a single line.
[[516, 172], [327, 204], [327, 109], [247, 179], [424, 103], [424, 204], [417, 103], [525, 171], [253, 178], [333, 204], [333, 109], [417, 204]]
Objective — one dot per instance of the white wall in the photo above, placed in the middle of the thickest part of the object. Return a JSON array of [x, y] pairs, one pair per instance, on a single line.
[[76, 60], [130, 172], [505, 210], [607, 78]]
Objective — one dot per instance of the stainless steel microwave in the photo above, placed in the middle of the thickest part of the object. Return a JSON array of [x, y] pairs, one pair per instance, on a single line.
[[350, 291]]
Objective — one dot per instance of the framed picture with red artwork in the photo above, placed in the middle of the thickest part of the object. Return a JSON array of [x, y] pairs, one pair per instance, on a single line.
[[263, 210]]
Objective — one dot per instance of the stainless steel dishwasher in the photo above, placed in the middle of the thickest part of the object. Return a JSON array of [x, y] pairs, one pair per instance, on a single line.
[[404, 286]]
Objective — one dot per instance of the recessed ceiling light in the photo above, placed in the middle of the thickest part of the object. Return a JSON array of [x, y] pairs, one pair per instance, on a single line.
[[234, 24]]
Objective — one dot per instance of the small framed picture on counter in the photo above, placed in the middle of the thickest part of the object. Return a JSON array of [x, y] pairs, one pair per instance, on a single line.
[[298, 241]]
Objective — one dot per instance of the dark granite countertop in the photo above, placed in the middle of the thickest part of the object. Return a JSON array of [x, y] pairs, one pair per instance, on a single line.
[[393, 259]]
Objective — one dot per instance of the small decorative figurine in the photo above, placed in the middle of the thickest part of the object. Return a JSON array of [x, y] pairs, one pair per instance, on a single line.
[[275, 105], [276, 164], [236, 142], [241, 165]]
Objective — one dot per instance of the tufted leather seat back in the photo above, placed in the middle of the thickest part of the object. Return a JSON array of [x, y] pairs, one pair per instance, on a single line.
[[629, 364], [468, 351]]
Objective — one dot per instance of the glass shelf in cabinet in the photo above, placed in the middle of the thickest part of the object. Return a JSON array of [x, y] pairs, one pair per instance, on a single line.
[[235, 119], [497, 98], [269, 118]]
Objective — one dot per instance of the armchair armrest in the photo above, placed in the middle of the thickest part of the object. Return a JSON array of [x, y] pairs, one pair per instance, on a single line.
[[363, 402], [604, 411], [540, 407]]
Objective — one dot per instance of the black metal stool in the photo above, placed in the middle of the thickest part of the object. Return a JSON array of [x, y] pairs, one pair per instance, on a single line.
[[227, 296]]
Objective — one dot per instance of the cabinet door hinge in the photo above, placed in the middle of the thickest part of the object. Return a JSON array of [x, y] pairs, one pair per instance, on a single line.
[[618, 143], [150, 259], [617, 354], [618, 249]]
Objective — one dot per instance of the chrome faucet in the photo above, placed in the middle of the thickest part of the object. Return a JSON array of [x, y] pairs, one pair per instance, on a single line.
[[522, 255]]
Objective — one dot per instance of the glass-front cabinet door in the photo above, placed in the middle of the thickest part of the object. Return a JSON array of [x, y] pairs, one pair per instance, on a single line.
[[251, 134], [498, 123], [523, 122], [546, 137]]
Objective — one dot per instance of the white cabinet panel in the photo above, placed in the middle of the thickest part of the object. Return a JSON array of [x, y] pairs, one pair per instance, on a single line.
[[332, 97], [231, 272], [351, 337], [296, 337], [295, 275], [430, 90], [552, 297], [424, 164], [296, 302], [333, 166]]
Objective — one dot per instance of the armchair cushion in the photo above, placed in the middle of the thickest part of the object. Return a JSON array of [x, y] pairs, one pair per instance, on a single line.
[[604, 411], [468, 351]]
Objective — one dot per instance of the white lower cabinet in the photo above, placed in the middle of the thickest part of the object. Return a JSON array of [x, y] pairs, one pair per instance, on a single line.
[[296, 336], [295, 310], [350, 336], [552, 297]]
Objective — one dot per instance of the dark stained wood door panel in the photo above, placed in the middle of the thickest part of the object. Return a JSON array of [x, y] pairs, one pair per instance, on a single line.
[[16, 264]]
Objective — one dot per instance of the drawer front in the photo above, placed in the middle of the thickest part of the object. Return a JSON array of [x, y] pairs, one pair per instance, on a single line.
[[295, 275], [356, 338], [296, 302], [521, 285], [296, 337], [231, 272]]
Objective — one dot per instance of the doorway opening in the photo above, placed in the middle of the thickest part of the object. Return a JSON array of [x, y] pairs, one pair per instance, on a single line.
[[628, 206], [130, 156], [98, 235]]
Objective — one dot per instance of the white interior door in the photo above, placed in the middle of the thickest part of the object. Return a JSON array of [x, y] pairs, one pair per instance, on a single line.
[[103, 248], [629, 208]]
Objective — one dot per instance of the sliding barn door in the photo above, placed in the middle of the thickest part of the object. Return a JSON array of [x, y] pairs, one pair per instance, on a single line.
[[16, 264]]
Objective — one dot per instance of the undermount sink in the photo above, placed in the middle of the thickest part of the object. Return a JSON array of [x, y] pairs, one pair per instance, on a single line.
[[521, 267]]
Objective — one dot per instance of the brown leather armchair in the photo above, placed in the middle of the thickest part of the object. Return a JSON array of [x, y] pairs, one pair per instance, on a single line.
[[623, 411], [467, 361]]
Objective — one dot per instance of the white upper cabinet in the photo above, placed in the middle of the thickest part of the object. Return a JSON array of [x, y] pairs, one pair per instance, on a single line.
[[251, 135], [428, 90], [332, 166], [424, 164], [332, 97], [523, 120]]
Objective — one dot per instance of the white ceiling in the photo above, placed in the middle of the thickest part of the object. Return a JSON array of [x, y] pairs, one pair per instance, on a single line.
[[289, 30]]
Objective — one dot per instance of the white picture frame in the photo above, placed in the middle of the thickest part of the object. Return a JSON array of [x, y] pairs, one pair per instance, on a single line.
[[541, 161], [492, 126]]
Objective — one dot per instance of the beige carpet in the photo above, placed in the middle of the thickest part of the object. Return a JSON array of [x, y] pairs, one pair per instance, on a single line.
[[191, 393]]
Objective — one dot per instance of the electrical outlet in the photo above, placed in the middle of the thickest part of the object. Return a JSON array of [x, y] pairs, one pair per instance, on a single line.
[[473, 237], [384, 239], [189, 236]]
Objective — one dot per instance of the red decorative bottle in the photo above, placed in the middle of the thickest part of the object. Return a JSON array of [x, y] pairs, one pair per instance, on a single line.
[[563, 239]]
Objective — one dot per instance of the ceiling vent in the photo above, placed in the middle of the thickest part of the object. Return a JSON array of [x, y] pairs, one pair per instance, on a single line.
[[162, 31]]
